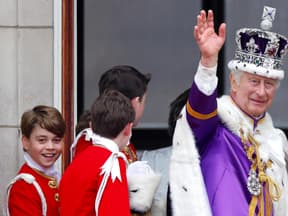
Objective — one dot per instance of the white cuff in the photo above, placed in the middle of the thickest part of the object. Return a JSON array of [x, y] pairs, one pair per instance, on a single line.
[[206, 79]]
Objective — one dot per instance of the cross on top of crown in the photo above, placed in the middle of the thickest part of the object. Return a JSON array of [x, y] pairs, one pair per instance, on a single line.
[[269, 13]]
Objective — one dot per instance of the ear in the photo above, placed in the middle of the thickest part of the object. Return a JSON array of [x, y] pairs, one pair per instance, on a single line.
[[135, 101], [25, 143], [128, 129], [233, 83]]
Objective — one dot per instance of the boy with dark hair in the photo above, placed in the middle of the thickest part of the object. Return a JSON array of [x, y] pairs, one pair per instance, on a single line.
[[95, 183], [133, 84], [34, 191], [130, 82]]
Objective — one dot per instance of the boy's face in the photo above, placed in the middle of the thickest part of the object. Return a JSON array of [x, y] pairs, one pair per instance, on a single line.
[[43, 146]]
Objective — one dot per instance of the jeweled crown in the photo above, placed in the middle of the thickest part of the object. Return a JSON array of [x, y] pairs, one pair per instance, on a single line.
[[260, 51]]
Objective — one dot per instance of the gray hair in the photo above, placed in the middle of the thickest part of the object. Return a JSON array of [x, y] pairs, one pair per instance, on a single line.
[[238, 73]]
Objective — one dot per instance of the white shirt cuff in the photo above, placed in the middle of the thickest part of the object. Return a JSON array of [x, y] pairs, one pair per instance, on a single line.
[[206, 79]]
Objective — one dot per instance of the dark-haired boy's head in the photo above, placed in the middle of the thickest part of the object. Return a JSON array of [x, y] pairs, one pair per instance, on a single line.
[[126, 79], [130, 82], [110, 113]]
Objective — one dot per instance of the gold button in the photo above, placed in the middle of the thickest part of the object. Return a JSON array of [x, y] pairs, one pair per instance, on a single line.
[[52, 184], [56, 196]]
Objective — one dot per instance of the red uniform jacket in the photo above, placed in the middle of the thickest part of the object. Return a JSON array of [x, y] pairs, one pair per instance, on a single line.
[[80, 183], [129, 150], [24, 199]]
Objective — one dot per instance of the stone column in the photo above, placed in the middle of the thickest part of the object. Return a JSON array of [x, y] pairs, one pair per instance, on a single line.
[[26, 71]]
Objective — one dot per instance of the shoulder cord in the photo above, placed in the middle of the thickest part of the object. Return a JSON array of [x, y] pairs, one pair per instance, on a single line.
[[88, 135], [114, 156], [272, 190], [28, 178]]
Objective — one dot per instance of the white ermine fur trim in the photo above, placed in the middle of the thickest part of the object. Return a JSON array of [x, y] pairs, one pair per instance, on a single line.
[[188, 192], [273, 145]]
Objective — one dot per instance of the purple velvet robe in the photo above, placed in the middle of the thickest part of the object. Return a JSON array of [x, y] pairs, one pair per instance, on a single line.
[[224, 162]]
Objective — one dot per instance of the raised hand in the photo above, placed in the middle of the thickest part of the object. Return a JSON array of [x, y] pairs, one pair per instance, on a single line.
[[207, 39]]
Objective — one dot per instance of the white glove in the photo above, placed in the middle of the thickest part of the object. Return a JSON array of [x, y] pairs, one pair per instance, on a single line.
[[142, 183]]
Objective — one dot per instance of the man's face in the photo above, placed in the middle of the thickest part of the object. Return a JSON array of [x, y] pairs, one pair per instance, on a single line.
[[43, 146], [253, 94]]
